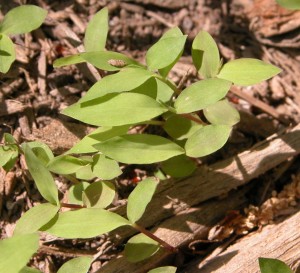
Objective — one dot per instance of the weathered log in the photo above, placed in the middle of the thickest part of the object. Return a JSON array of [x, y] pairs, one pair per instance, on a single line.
[[179, 231], [220, 178], [279, 241], [178, 197]]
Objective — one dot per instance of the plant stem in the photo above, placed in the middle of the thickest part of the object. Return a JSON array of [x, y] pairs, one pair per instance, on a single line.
[[71, 206], [155, 238], [72, 179], [153, 122], [191, 117]]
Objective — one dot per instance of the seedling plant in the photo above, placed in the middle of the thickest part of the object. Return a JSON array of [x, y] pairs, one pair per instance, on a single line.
[[131, 94]]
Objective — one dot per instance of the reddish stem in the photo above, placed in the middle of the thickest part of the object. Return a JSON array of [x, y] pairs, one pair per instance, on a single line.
[[71, 206], [155, 238]]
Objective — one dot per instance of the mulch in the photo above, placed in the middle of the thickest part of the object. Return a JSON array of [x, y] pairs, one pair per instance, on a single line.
[[33, 93]]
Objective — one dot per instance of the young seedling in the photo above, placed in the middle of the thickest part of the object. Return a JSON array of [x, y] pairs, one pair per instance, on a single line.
[[18, 20], [134, 95]]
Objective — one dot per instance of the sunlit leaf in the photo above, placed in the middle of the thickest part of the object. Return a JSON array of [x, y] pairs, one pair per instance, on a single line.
[[180, 127], [96, 32], [16, 252], [41, 151], [27, 269], [84, 223], [85, 173], [22, 19], [125, 80], [66, 164], [139, 199], [179, 166], [116, 109], [6, 153], [68, 60], [247, 71], [35, 218], [205, 53], [268, 265], [105, 168], [99, 194], [75, 193], [139, 148], [164, 52], [101, 134], [163, 269], [140, 247], [222, 113], [201, 94], [104, 60], [41, 176], [173, 32], [7, 53], [207, 140], [164, 91], [76, 265], [289, 4]]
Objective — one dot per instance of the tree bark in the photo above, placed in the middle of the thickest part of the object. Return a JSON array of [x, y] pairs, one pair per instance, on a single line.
[[280, 241]]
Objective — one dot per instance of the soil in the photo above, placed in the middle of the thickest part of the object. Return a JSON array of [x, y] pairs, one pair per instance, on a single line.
[[33, 93]]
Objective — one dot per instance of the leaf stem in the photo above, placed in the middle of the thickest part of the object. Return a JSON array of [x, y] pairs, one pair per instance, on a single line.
[[191, 117], [71, 206], [155, 238]]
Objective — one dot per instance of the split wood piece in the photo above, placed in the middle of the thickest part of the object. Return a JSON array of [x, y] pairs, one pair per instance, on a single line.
[[173, 197], [9, 107], [187, 226], [279, 241], [259, 104]]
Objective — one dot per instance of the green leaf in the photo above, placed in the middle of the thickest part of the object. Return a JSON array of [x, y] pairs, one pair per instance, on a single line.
[[289, 4], [205, 54], [139, 149], [41, 176], [139, 199], [201, 94], [207, 140], [140, 247], [179, 166], [104, 59], [163, 269], [164, 92], [99, 194], [116, 109], [180, 127], [101, 134], [6, 153], [85, 173], [27, 269], [173, 32], [76, 265], [105, 168], [75, 193], [268, 265], [247, 71], [9, 139], [41, 151], [222, 113], [69, 60], [96, 31], [35, 218], [84, 223], [165, 52], [126, 80], [7, 53], [16, 252], [66, 164], [22, 19]]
